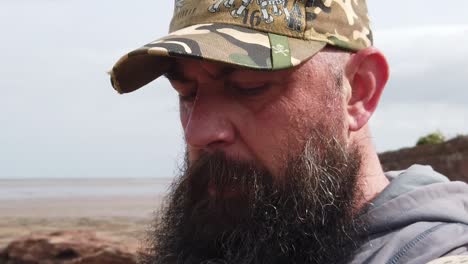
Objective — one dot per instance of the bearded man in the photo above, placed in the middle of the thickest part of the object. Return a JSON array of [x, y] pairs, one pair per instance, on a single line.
[[280, 166]]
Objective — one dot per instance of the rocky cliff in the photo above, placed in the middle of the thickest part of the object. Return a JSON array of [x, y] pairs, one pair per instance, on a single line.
[[449, 158]]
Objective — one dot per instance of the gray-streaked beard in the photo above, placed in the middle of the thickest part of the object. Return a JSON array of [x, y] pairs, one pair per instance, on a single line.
[[304, 217]]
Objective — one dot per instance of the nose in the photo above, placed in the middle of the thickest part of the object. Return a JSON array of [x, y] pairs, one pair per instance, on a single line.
[[208, 126]]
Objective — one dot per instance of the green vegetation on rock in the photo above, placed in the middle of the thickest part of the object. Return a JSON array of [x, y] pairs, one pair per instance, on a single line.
[[431, 139]]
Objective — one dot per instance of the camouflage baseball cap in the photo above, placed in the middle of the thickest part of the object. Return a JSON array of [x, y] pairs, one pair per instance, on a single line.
[[256, 34]]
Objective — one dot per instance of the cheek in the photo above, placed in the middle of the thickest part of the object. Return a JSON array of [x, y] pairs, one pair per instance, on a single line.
[[275, 132], [285, 124], [184, 114]]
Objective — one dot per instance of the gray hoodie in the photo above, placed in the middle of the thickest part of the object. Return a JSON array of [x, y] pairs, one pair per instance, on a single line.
[[419, 217]]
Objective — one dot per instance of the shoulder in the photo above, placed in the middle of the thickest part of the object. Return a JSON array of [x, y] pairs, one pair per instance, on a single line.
[[451, 260], [419, 242]]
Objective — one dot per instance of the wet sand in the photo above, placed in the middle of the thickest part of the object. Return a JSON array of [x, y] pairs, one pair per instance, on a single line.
[[124, 218]]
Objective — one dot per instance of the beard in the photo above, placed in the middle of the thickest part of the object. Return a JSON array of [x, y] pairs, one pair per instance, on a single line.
[[227, 211]]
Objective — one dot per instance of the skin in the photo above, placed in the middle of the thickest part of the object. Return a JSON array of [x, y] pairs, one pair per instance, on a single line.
[[259, 116]]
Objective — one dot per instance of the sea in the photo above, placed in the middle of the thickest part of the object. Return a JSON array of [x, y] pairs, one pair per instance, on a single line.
[[18, 189]]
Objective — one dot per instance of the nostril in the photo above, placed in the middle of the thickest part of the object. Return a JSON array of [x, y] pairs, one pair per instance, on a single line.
[[216, 145]]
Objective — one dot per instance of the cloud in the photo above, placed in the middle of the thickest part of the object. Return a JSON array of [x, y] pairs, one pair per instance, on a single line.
[[428, 46], [428, 87], [427, 63], [398, 125]]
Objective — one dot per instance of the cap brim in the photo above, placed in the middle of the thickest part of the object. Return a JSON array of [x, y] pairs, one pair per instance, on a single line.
[[224, 43]]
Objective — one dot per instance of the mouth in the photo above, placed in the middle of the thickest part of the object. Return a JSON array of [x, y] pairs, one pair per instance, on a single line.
[[226, 192]]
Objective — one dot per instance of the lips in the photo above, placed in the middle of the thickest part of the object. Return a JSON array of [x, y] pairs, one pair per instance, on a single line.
[[224, 192]]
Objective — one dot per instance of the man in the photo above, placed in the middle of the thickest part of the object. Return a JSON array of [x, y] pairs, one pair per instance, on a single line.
[[280, 165]]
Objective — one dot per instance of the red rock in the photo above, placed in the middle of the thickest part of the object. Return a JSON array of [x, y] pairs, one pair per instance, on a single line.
[[69, 247]]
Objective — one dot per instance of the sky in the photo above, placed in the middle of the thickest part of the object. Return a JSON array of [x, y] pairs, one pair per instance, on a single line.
[[59, 116]]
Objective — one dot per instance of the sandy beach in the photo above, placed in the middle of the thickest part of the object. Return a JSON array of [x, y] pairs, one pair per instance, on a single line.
[[118, 209]]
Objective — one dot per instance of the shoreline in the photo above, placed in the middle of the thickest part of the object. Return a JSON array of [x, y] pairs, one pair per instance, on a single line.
[[118, 209], [91, 207]]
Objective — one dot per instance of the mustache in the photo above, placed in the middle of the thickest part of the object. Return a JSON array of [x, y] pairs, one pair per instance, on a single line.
[[220, 174]]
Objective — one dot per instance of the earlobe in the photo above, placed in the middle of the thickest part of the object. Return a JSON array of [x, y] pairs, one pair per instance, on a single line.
[[367, 72]]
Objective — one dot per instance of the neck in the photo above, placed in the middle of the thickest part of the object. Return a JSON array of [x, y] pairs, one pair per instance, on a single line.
[[372, 179]]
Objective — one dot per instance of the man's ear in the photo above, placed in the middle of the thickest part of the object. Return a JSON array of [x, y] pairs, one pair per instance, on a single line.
[[367, 72]]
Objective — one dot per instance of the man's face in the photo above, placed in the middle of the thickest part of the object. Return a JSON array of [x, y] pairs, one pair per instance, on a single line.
[[269, 176], [256, 116]]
